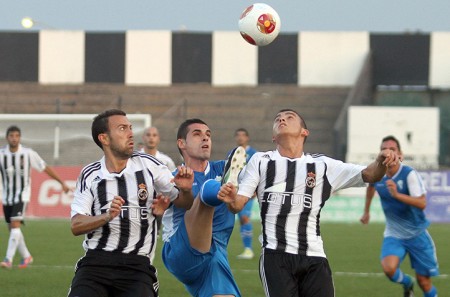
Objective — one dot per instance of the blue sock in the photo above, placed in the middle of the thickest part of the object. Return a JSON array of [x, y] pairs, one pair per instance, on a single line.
[[431, 293], [247, 234], [401, 278], [208, 193]]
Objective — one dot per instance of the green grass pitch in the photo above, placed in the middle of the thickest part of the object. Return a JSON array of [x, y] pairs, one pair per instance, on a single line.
[[352, 249]]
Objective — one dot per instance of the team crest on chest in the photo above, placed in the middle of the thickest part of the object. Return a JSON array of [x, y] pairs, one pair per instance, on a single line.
[[311, 180], [142, 192]]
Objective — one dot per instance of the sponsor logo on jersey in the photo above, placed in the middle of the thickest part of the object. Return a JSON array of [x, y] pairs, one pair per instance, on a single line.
[[277, 195], [310, 180], [142, 192]]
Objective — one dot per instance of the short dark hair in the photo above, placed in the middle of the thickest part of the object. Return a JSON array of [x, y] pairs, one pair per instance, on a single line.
[[100, 123], [241, 130], [13, 129], [183, 129], [391, 137]]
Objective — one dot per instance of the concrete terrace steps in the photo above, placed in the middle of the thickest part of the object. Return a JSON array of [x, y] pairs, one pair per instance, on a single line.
[[223, 108]]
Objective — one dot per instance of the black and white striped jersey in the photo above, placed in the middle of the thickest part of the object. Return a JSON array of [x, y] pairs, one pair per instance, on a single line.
[[15, 169], [134, 230], [291, 194]]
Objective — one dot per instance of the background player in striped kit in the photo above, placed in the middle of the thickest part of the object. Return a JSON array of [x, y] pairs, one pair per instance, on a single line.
[[242, 138], [113, 205], [16, 162], [403, 198], [292, 187], [151, 140]]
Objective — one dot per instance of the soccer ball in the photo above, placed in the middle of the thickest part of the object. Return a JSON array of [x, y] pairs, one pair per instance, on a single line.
[[259, 24]]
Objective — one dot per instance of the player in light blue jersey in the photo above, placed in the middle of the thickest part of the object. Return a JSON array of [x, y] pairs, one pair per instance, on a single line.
[[242, 138], [195, 241], [402, 194]]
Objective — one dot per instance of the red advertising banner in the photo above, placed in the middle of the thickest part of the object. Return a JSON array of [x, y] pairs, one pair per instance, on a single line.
[[47, 198]]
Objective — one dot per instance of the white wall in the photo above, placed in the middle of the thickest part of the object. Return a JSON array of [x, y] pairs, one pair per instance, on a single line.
[[416, 128], [148, 58], [234, 61], [440, 60], [331, 58], [61, 57]]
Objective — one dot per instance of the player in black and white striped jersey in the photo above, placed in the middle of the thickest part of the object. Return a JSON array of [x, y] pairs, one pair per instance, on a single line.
[[114, 206], [292, 187], [16, 162]]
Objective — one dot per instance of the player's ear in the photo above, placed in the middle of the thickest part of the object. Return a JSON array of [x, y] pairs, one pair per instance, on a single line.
[[181, 143], [103, 138], [305, 132]]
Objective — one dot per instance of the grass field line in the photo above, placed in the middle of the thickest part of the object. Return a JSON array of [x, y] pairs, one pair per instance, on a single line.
[[337, 273]]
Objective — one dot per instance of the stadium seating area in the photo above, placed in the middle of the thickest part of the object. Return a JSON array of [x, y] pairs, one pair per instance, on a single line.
[[224, 109]]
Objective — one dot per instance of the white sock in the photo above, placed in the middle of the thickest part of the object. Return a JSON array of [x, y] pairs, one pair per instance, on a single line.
[[14, 238], [22, 247]]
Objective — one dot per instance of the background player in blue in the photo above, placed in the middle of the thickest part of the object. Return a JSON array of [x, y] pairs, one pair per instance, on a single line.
[[402, 194], [242, 138], [195, 241]]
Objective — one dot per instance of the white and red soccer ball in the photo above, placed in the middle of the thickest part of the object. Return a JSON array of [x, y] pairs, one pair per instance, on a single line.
[[259, 24]]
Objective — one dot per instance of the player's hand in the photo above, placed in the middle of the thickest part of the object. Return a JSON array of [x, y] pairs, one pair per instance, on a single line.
[[388, 158], [160, 204], [392, 188], [227, 193], [365, 218], [184, 178], [66, 189], [116, 207]]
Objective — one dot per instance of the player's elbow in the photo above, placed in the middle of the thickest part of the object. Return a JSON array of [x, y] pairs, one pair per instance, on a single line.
[[183, 203], [75, 226], [422, 203], [75, 230]]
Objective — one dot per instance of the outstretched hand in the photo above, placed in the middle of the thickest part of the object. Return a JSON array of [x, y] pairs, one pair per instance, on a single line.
[[388, 157], [160, 204], [227, 193], [184, 178]]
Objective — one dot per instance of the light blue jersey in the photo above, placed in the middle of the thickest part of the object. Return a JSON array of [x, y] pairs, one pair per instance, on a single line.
[[203, 274], [223, 221], [403, 221]]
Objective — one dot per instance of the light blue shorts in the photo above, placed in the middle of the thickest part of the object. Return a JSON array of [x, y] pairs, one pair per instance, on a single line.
[[421, 250], [203, 274]]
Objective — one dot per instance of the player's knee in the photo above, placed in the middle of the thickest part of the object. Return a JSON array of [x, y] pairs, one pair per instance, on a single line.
[[389, 269], [244, 220], [424, 283]]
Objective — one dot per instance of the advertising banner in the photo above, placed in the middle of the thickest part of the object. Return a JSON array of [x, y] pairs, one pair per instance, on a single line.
[[48, 200]]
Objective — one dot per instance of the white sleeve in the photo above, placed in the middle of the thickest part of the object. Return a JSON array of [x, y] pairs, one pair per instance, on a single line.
[[344, 175], [171, 164], [250, 177], [36, 161], [82, 200], [416, 186], [163, 185]]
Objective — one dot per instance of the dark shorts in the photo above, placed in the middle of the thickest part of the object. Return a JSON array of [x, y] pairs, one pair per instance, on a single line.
[[104, 274], [14, 212], [290, 275]]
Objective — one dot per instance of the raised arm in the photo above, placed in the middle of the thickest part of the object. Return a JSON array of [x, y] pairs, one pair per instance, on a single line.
[[183, 180], [228, 194], [377, 169]]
